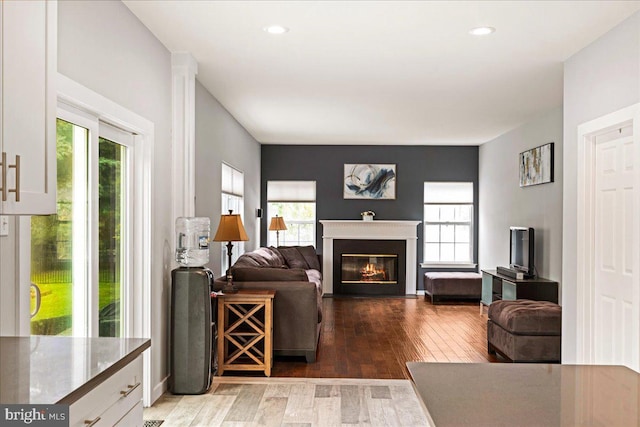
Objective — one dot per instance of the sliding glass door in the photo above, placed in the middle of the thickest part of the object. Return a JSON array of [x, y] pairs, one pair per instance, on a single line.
[[80, 274]]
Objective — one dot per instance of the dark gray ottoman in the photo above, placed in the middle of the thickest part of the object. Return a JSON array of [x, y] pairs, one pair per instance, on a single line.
[[525, 330], [452, 285]]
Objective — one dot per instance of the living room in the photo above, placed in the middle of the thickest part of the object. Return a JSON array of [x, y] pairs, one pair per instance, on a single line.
[[595, 75]]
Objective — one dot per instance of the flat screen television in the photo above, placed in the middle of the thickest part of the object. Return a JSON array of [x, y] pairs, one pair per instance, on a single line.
[[522, 250]]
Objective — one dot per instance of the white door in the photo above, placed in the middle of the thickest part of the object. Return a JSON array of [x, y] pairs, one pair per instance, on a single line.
[[615, 300]]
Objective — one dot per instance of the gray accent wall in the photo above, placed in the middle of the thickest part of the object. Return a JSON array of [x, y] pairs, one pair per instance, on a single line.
[[503, 203], [220, 138], [414, 165], [602, 78]]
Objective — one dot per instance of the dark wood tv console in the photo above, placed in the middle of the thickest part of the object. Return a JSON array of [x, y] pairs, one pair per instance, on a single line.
[[496, 287]]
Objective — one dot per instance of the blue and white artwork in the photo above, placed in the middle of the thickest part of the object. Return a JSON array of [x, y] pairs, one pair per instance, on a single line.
[[369, 181]]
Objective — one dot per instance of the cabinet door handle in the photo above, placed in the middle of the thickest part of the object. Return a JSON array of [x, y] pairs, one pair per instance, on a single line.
[[92, 422], [129, 389], [16, 166], [4, 176]]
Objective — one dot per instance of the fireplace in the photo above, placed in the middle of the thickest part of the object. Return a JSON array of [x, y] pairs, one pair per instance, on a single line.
[[369, 267], [378, 269], [398, 230]]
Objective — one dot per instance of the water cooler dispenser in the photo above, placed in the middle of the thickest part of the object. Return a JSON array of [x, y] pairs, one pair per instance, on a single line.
[[192, 314]]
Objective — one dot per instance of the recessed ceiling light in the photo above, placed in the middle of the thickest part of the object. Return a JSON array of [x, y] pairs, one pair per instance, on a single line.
[[276, 29], [482, 31]]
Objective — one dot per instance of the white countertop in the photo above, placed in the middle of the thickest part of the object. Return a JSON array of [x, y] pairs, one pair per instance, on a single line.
[[53, 369]]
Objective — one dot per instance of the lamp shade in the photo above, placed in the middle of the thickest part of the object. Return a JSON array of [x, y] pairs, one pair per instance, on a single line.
[[231, 229], [277, 224]]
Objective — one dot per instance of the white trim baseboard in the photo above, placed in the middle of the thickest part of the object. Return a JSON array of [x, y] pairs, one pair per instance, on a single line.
[[158, 390]]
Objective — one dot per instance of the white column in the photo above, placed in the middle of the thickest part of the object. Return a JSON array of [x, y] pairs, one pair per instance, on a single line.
[[184, 69]]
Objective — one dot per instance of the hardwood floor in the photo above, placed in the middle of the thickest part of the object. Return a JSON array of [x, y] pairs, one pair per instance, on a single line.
[[369, 339], [375, 337]]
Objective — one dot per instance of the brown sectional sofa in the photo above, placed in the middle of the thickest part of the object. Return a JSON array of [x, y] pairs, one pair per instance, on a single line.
[[294, 273]]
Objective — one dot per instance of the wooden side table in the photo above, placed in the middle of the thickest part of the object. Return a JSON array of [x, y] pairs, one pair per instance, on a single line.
[[245, 331]]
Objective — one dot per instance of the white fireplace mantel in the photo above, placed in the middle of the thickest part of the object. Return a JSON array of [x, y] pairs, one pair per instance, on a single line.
[[370, 230]]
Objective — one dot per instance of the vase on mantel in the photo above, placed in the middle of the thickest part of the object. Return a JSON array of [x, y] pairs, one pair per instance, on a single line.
[[367, 215]]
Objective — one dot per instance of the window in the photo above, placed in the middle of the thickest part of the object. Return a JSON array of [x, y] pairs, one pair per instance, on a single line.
[[295, 201], [448, 223], [79, 255], [232, 200]]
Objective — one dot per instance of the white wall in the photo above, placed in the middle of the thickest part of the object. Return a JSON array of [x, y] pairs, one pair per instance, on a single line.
[[600, 79], [220, 138], [503, 203], [8, 280], [104, 47]]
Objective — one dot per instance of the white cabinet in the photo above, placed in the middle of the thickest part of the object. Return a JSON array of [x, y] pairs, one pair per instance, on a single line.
[[116, 401], [28, 49]]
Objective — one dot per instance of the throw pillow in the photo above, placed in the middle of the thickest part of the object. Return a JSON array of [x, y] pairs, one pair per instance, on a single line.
[[309, 254], [248, 260], [280, 259], [293, 257]]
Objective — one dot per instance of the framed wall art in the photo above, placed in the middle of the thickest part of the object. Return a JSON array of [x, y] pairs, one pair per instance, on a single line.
[[369, 181], [536, 165]]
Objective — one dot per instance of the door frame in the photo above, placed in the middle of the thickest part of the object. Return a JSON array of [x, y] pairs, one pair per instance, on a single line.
[[83, 98], [585, 283]]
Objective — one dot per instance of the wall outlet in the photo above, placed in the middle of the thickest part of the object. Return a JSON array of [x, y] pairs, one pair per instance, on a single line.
[[4, 225]]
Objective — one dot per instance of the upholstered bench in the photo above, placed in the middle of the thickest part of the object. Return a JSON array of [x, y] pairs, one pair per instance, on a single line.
[[453, 284], [525, 330]]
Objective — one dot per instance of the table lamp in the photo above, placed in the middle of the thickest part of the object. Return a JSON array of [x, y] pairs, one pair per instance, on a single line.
[[230, 230], [277, 224]]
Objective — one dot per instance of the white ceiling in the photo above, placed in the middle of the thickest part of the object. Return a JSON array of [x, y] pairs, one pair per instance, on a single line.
[[381, 72]]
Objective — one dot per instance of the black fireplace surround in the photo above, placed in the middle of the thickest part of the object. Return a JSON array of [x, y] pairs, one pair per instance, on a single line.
[[374, 281]]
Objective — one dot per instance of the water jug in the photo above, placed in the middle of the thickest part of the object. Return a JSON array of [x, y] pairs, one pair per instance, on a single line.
[[192, 241]]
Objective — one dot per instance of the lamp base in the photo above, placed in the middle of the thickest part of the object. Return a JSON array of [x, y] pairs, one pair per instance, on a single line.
[[229, 287]]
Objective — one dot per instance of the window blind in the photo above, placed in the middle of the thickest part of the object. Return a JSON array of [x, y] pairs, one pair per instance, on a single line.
[[232, 181], [291, 191], [448, 192]]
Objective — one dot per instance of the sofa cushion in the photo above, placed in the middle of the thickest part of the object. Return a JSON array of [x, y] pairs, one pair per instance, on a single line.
[[293, 257], [526, 317], [268, 274]]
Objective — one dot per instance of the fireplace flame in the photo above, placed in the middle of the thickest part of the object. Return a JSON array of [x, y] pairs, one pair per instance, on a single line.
[[371, 272]]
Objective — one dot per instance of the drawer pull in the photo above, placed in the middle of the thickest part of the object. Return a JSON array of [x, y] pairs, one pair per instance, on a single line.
[[3, 163], [16, 190], [93, 422], [129, 389]]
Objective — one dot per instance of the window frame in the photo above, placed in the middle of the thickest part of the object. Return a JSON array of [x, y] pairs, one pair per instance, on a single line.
[[471, 223], [237, 194], [290, 199], [271, 235], [95, 105]]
